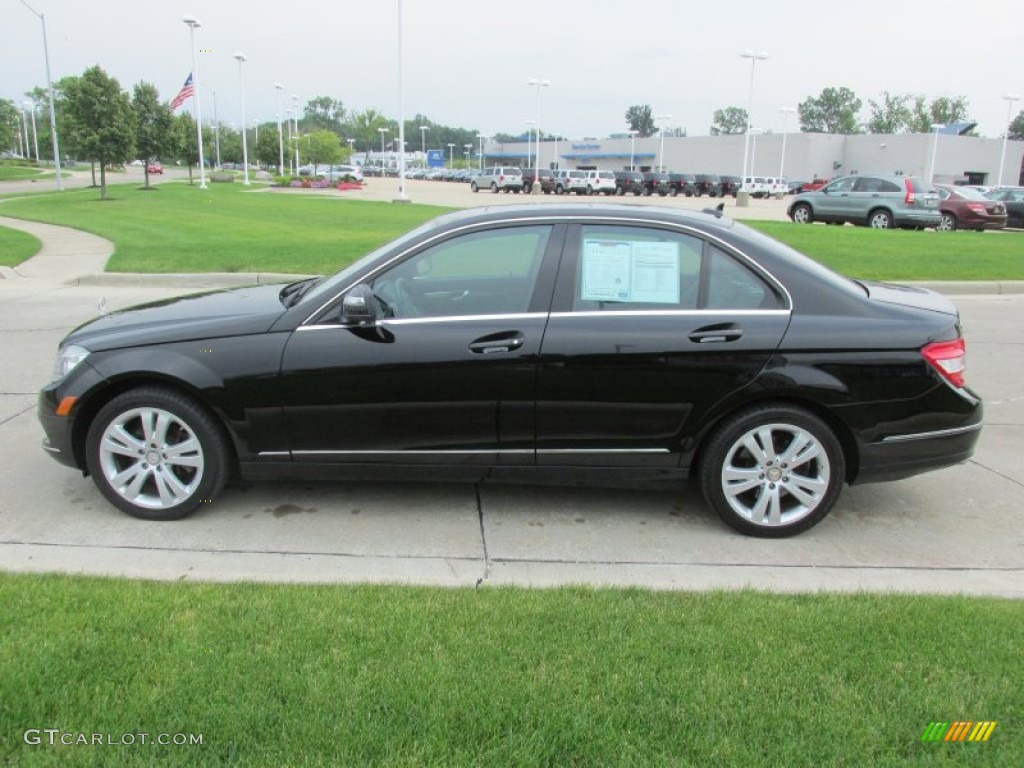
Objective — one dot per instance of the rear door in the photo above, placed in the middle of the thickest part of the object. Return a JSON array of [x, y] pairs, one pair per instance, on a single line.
[[650, 327]]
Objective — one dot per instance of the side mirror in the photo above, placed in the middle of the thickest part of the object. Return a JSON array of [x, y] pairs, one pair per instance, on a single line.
[[359, 307]]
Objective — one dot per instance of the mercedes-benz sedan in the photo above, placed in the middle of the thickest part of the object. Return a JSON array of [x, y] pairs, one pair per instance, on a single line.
[[572, 343]]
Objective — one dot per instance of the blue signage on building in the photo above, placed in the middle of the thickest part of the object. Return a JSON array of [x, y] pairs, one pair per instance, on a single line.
[[435, 158]]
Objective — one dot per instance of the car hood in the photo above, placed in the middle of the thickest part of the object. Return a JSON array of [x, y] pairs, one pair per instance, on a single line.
[[909, 296], [231, 312]]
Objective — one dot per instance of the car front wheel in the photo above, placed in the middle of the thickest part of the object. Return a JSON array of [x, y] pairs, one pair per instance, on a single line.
[[494, 187], [880, 220], [772, 471], [948, 223], [474, 187], [801, 214], [156, 454]]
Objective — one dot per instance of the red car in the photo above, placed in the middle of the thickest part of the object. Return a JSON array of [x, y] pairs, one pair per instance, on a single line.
[[811, 186], [154, 167], [965, 208]]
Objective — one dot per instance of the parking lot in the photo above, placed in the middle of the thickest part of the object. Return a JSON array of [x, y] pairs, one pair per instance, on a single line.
[[949, 531]]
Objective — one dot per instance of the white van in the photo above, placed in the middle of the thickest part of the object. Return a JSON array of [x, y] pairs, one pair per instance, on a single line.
[[765, 186]]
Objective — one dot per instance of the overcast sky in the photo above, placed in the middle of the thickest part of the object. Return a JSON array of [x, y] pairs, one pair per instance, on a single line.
[[466, 62]]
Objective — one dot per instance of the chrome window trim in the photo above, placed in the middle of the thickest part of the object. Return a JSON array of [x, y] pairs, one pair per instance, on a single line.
[[566, 219], [932, 435], [675, 313], [431, 320]]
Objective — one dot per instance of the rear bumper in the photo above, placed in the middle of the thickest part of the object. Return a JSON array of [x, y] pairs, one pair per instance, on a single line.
[[905, 455]]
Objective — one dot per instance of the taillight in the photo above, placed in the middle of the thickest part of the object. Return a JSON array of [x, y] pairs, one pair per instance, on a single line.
[[910, 198], [949, 358], [977, 207]]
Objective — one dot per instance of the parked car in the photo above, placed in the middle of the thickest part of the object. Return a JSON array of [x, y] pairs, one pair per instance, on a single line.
[[655, 183], [1012, 199], [681, 184], [706, 184], [629, 181], [765, 186], [602, 342], [880, 202], [342, 173], [813, 185], [154, 167], [600, 182], [729, 185], [546, 176], [964, 208], [567, 181], [500, 178], [795, 187]]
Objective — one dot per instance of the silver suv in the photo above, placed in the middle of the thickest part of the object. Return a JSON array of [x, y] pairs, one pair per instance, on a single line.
[[500, 177], [881, 202], [567, 181]]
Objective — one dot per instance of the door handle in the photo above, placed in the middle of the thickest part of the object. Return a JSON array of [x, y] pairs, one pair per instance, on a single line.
[[716, 334], [497, 343]]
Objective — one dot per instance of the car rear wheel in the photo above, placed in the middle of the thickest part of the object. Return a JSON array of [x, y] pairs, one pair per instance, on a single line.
[[494, 187], [773, 471], [880, 219], [948, 223], [474, 187], [156, 454], [590, 190], [802, 214]]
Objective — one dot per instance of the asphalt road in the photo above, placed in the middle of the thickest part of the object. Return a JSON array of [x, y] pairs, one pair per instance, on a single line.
[[957, 530]]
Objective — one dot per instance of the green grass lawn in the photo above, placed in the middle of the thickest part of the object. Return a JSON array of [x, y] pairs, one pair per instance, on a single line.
[[376, 675], [20, 172], [16, 246], [178, 228]]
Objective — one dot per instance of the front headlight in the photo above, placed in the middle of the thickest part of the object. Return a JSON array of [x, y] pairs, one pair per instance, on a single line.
[[68, 357]]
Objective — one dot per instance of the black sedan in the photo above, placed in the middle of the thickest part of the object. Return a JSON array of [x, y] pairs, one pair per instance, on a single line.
[[586, 343], [1013, 199]]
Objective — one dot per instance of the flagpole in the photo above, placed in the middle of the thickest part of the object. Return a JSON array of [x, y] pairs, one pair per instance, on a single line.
[[192, 24]]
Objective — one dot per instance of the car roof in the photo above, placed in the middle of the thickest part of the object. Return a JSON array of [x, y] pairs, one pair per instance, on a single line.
[[549, 211]]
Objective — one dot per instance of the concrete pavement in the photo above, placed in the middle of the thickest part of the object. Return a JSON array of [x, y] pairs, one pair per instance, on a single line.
[[952, 531]]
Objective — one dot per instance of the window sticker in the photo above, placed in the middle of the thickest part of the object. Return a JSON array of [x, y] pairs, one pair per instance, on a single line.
[[630, 271]]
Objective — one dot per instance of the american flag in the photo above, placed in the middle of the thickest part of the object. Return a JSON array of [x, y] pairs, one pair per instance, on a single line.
[[184, 94]]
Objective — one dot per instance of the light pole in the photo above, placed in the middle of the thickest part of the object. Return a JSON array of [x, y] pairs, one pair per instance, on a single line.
[[193, 23], [743, 196], [280, 133], [31, 105], [382, 131], [632, 148], [351, 147], [529, 133], [423, 142], [295, 117], [49, 88], [468, 149], [936, 127], [451, 156], [661, 153], [480, 157], [216, 124], [240, 57], [24, 132], [538, 84], [402, 197], [786, 112], [1002, 155]]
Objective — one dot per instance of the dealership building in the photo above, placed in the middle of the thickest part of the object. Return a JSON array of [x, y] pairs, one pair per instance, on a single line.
[[800, 156]]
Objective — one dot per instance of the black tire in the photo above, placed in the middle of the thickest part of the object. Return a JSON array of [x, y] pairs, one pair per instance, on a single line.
[[801, 213], [674, 192], [474, 187], [880, 219], [948, 223], [773, 493], [494, 187], [185, 463]]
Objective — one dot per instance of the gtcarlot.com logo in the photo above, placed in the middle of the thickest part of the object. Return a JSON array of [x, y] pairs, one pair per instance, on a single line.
[[55, 736], [959, 730]]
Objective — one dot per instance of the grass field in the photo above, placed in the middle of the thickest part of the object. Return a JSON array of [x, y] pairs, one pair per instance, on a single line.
[[321, 675], [21, 172], [177, 228], [16, 246]]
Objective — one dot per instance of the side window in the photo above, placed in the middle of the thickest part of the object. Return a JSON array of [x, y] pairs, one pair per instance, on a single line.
[[481, 273], [843, 185], [627, 268], [731, 285]]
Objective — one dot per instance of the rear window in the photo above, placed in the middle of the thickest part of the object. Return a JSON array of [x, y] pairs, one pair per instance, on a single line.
[[970, 194], [576, 174], [606, 175], [916, 185]]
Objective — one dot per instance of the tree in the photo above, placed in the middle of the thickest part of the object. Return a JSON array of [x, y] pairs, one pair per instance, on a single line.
[[321, 148], [641, 120], [101, 119], [1017, 127], [153, 123], [834, 111], [893, 115], [268, 148], [729, 121], [323, 113], [942, 111], [9, 122]]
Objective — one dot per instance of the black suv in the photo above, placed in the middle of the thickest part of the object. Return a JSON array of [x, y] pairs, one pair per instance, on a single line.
[[681, 184], [547, 180], [729, 185], [629, 181], [707, 184], [655, 183]]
